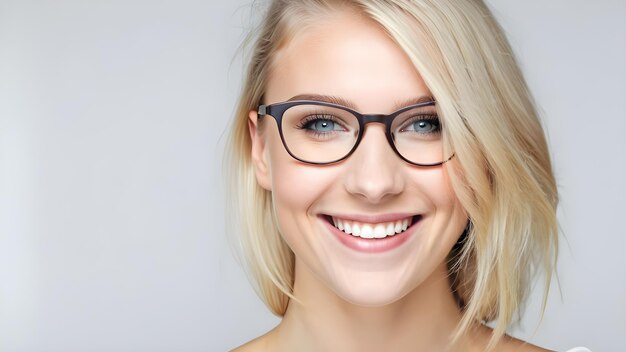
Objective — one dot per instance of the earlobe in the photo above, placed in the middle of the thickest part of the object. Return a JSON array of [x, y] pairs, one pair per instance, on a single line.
[[259, 159]]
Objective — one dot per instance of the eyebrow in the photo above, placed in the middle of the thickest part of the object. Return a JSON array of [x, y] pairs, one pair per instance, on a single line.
[[347, 103]]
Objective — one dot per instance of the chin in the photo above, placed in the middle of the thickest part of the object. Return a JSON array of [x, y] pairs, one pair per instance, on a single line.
[[362, 300], [371, 293]]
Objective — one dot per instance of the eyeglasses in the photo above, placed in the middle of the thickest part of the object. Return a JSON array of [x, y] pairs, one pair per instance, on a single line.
[[318, 132]]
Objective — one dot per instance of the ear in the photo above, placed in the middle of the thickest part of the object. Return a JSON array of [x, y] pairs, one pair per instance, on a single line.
[[259, 158]]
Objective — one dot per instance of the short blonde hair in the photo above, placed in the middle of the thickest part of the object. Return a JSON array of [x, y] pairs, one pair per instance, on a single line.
[[501, 174]]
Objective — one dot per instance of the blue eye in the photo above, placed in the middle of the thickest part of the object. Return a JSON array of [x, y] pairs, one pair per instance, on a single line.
[[320, 125], [425, 126]]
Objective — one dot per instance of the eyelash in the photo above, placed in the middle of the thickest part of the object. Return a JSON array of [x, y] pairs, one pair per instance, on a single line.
[[310, 118], [431, 118]]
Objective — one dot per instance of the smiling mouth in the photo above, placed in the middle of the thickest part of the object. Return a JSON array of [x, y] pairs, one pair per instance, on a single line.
[[372, 230]]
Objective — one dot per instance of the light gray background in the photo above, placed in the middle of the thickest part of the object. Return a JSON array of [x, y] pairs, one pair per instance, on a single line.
[[111, 220]]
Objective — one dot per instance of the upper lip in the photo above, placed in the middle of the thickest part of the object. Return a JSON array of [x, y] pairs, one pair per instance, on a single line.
[[373, 219]]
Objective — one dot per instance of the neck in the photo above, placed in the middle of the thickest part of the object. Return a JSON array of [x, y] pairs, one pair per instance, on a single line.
[[424, 319]]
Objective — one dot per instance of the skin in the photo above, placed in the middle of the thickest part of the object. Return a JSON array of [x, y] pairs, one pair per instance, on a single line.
[[396, 301]]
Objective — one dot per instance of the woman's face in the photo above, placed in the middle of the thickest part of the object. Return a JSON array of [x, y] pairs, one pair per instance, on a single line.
[[353, 59]]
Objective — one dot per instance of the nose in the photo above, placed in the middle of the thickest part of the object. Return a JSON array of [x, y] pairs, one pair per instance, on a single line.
[[374, 169]]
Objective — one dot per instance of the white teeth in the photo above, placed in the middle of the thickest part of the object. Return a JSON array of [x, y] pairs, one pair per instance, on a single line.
[[379, 231], [365, 230], [390, 231]]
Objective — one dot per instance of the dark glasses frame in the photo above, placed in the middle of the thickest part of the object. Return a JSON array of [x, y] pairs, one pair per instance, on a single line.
[[277, 110]]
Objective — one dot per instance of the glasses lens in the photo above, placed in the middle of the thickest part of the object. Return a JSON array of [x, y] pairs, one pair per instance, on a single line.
[[319, 134], [417, 135]]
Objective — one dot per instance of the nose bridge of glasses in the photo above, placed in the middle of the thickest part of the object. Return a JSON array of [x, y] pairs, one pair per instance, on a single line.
[[375, 118], [367, 118]]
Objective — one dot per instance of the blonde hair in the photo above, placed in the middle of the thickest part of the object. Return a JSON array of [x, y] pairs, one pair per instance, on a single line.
[[501, 173]]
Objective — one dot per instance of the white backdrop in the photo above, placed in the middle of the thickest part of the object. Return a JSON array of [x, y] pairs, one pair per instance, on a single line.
[[111, 220]]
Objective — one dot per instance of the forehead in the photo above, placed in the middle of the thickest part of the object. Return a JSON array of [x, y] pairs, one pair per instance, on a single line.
[[347, 56]]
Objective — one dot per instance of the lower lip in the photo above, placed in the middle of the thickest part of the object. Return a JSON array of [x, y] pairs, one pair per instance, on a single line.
[[372, 245]]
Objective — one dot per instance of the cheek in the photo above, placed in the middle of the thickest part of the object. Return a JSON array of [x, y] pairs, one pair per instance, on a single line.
[[449, 217], [435, 183], [298, 189], [296, 186]]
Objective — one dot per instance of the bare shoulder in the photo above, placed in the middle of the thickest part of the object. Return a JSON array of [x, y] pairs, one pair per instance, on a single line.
[[256, 345], [505, 344], [259, 344], [511, 344]]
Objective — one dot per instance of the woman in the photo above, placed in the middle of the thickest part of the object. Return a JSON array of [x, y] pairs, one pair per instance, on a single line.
[[391, 178]]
